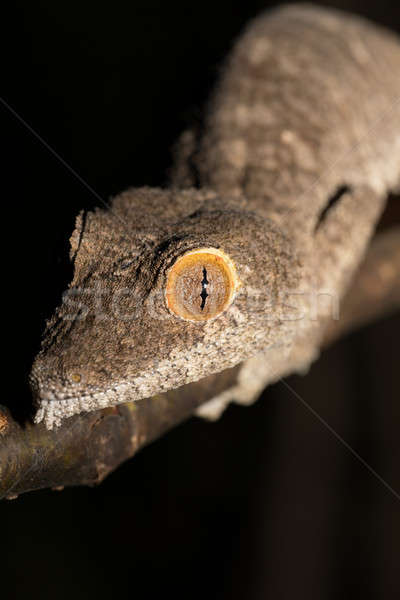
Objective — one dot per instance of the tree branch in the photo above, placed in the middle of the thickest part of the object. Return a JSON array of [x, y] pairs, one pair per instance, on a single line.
[[88, 447]]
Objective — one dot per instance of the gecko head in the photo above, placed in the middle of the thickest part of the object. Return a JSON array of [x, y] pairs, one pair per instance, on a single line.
[[159, 298]]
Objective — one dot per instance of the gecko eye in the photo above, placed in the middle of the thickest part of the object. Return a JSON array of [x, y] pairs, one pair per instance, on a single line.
[[201, 284]]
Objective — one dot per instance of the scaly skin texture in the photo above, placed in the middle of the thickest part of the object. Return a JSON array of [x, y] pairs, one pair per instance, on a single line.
[[307, 105]]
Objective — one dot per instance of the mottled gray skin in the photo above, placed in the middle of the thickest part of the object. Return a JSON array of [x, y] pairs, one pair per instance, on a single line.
[[308, 101]]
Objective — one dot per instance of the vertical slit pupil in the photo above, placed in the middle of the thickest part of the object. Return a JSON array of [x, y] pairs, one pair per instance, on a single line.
[[204, 285]]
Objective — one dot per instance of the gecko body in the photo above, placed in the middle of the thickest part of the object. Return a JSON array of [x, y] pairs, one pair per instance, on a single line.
[[269, 210]]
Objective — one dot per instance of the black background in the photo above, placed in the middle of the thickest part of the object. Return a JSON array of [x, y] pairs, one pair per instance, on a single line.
[[265, 503]]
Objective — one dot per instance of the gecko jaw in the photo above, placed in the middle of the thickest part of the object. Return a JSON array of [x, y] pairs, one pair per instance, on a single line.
[[54, 407]]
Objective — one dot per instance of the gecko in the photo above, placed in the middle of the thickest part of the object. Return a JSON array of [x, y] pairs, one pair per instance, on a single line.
[[243, 257]]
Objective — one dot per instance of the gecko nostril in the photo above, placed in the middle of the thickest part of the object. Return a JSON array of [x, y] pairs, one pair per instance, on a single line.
[[76, 377]]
